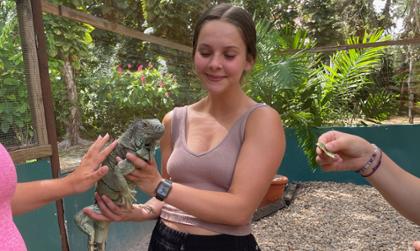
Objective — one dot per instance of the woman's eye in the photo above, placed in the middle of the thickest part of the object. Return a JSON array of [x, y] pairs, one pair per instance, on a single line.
[[205, 54]]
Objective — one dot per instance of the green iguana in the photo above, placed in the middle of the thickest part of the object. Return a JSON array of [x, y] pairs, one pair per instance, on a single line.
[[140, 138]]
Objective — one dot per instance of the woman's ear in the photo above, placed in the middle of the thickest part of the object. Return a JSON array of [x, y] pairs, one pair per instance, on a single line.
[[249, 63], [193, 69]]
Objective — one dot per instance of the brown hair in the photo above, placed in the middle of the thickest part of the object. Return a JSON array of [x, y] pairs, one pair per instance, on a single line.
[[233, 15]]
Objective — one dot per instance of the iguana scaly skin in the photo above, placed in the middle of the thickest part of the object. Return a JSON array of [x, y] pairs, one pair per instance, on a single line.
[[140, 138]]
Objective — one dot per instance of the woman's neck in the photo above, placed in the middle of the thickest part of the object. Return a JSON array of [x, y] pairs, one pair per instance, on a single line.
[[224, 105]]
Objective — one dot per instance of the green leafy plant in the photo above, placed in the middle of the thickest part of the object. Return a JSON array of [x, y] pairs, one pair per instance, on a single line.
[[109, 103], [347, 84], [281, 80], [16, 120]]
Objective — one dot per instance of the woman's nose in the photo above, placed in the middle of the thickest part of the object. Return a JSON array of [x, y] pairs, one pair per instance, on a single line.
[[215, 62]]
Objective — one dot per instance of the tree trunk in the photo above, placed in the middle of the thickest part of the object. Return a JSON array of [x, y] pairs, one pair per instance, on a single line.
[[412, 29], [73, 124], [411, 97]]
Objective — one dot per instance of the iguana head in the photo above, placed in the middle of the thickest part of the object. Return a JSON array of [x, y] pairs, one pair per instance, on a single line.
[[141, 133]]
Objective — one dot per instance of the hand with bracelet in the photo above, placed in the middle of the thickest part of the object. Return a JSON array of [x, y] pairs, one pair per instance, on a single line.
[[347, 152], [352, 153]]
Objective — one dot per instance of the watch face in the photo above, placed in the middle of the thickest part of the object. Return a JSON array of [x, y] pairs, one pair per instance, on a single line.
[[163, 189]]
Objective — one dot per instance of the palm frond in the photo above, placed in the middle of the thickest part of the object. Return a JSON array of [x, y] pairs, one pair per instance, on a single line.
[[349, 72]]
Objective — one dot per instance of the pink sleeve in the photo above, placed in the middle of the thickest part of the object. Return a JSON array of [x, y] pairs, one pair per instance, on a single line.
[[10, 238]]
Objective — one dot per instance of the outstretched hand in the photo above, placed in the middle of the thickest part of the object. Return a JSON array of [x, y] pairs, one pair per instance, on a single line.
[[90, 169], [351, 152], [112, 212]]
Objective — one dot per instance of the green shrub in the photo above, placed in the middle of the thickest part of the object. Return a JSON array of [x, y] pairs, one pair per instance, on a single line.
[[109, 103]]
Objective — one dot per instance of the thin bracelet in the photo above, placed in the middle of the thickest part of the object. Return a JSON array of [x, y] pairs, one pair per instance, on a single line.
[[370, 161], [375, 167]]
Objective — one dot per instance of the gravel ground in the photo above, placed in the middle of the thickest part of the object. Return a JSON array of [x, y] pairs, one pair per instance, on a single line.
[[335, 216]]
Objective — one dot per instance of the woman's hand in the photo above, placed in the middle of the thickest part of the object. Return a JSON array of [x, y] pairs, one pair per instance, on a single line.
[[90, 169], [351, 152], [146, 175], [112, 212]]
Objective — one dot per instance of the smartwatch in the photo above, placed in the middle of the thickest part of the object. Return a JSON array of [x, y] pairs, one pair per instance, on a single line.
[[163, 189]]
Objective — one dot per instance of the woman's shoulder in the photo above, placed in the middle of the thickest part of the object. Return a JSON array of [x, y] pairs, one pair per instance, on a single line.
[[263, 115], [169, 115], [263, 110]]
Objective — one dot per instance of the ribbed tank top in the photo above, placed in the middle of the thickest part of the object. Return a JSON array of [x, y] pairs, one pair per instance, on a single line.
[[211, 170], [10, 238]]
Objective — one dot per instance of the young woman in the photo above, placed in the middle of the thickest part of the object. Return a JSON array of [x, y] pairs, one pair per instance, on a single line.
[[353, 153], [18, 198], [219, 154]]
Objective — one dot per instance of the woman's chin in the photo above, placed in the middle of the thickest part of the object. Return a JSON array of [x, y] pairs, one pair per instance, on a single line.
[[214, 86]]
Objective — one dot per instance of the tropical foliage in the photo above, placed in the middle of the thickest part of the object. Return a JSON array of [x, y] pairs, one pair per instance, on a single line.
[[347, 83], [14, 109], [310, 93], [96, 71]]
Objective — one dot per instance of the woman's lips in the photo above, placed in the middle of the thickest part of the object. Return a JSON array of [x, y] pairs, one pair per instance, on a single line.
[[215, 78]]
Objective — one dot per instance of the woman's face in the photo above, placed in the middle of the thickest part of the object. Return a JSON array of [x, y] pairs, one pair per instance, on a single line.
[[221, 56]]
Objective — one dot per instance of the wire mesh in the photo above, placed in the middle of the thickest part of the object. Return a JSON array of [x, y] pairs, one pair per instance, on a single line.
[[16, 119]]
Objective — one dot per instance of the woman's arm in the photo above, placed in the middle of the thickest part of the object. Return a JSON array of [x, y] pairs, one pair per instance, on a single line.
[[32, 195]]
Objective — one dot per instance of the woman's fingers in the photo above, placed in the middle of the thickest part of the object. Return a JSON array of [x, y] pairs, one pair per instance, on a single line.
[[94, 215], [94, 145], [99, 143], [137, 162], [108, 208], [132, 176], [106, 151], [99, 173]]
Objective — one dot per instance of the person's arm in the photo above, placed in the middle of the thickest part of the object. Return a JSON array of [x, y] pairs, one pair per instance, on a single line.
[[260, 156], [400, 188], [31, 195]]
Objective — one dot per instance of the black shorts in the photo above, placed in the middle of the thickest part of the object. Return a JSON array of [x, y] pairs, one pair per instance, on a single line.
[[167, 239]]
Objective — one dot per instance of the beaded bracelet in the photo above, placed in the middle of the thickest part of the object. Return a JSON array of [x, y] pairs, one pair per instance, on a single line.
[[370, 161], [375, 167]]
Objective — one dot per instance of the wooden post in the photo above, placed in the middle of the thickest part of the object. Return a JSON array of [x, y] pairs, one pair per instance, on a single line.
[[30, 59], [49, 108]]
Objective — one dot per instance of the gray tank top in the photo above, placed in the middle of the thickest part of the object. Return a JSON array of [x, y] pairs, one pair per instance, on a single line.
[[212, 170]]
